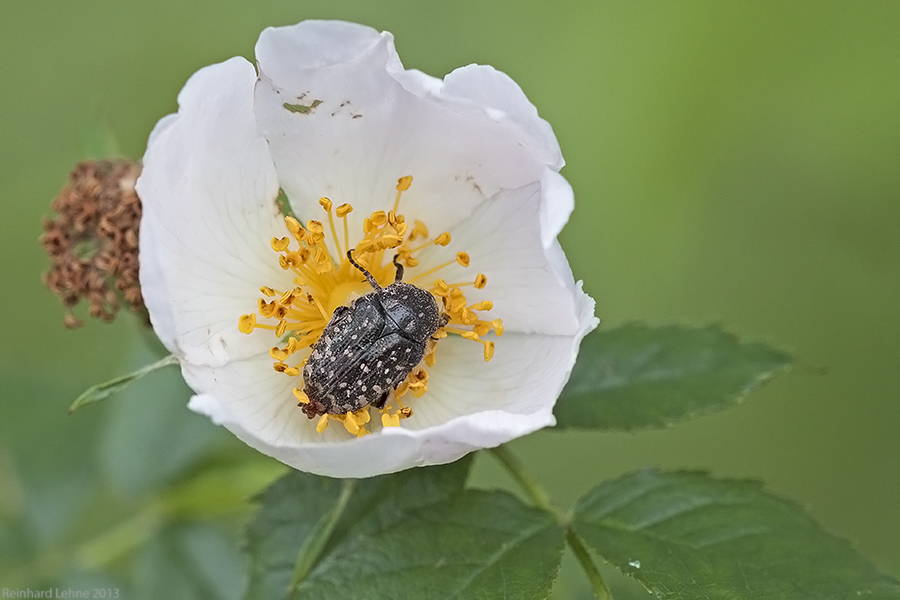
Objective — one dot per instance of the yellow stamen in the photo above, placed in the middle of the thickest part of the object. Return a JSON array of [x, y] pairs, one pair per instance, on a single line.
[[402, 185], [438, 268], [497, 324], [247, 323], [323, 423], [326, 204], [322, 282], [342, 211], [301, 396]]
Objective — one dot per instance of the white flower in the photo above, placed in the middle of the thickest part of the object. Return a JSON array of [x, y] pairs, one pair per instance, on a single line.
[[332, 114]]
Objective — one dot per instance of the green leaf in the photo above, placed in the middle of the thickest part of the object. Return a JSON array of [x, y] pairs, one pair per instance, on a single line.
[[638, 376], [189, 561], [415, 534], [102, 391], [293, 508], [150, 437], [685, 535]]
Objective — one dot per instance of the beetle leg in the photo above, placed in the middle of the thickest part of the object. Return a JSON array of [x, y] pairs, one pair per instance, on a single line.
[[379, 404], [399, 269]]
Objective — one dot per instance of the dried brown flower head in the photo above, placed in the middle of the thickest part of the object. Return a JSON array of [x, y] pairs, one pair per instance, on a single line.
[[93, 240]]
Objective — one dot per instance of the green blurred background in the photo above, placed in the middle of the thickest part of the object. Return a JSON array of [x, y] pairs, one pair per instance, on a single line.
[[735, 162]]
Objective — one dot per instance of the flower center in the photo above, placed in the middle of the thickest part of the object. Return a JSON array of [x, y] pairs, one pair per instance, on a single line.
[[299, 314]]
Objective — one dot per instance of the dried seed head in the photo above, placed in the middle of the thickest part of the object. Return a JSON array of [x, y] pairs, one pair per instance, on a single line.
[[92, 241]]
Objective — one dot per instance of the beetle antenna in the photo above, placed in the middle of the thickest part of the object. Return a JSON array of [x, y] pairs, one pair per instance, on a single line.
[[364, 272], [399, 269]]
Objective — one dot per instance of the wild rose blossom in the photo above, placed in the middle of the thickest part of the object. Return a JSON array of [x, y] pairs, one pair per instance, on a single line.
[[456, 178]]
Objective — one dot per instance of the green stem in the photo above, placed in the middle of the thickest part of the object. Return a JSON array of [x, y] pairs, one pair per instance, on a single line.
[[541, 499], [529, 485], [601, 590], [320, 534]]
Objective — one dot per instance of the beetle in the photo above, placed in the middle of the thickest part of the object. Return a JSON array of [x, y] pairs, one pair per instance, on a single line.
[[369, 348]]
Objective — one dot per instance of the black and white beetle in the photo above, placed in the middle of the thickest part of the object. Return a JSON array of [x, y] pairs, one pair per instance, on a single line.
[[370, 347]]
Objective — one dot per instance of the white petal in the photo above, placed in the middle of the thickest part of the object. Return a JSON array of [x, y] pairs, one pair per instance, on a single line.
[[491, 88], [208, 189], [531, 287], [469, 405], [375, 123], [154, 288]]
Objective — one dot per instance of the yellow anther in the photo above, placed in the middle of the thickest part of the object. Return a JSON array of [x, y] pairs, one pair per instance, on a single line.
[[246, 323], [419, 230], [278, 354], [350, 423], [343, 210], [267, 291], [315, 227], [279, 245], [462, 258], [412, 262], [482, 328], [288, 297], [326, 203], [293, 225], [265, 308], [471, 335], [488, 351], [405, 412], [390, 420], [443, 239], [497, 324], [439, 334], [322, 424], [400, 228], [283, 261], [483, 305], [391, 240], [430, 359], [378, 218], [280, 367], [281, 328], [418, 391], [362, 416], [441, 288], [480, 281], [292, 371], [301, 396], [367, 225], [321, 256], [403, 183]]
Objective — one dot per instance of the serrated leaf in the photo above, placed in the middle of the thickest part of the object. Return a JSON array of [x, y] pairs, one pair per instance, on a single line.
[[104, 390], [685, 535], [292, 508], [638, 376], [474, 545], [414, 534]]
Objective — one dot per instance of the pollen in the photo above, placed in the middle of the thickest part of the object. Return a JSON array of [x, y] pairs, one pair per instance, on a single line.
[[319, 278]]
